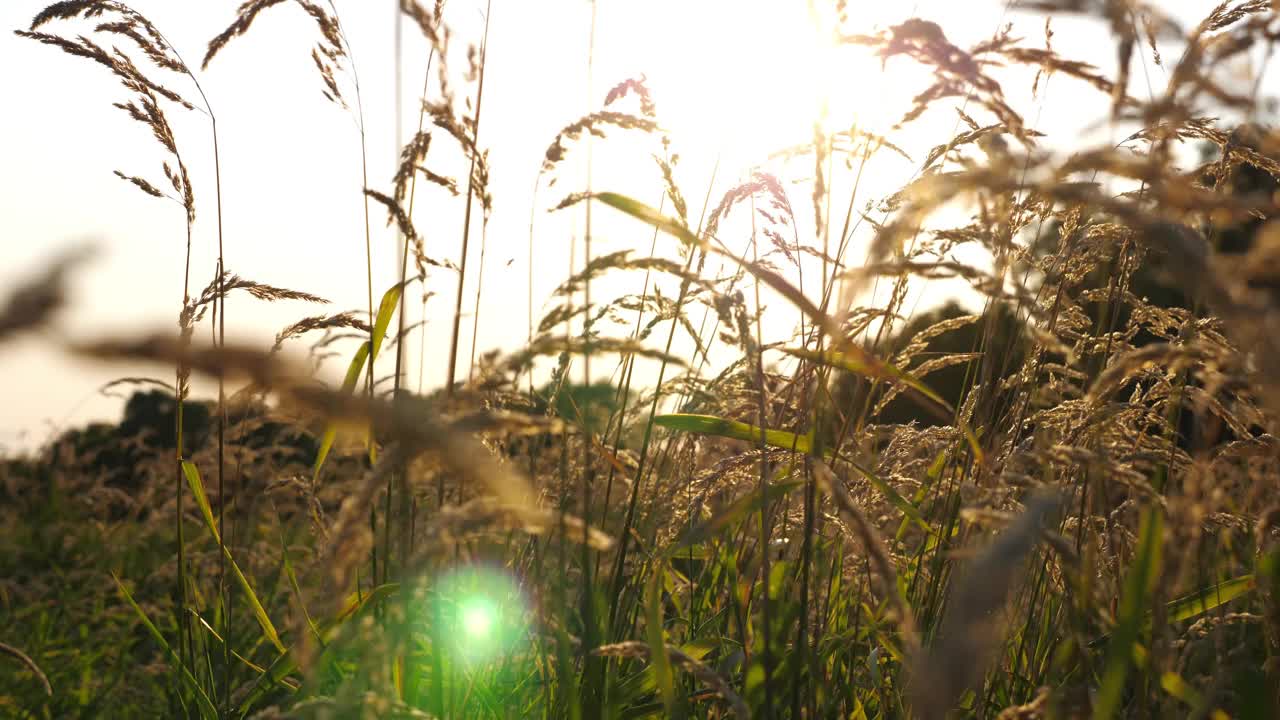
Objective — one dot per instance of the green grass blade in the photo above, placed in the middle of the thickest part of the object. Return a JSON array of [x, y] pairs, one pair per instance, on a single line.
[[645, 213], [206, 705], [259, 612], [1206, 599], [357, 602], [386, 309], [273, 676], [192, 473], [721, 427], [658, 659], [382, 321], [868, 367], [1197, 603], [1138, 584], [285, 663], [331, 428], [297, 589], [208, 629]]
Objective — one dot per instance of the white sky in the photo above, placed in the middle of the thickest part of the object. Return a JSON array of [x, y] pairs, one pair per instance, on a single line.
[[734, 80]]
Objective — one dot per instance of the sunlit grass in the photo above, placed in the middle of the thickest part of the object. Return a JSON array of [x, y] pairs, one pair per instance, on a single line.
[[1060, 505]]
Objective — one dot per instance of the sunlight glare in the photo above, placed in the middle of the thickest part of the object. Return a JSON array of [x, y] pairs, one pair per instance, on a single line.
[[744, 79], [477, 618], [483, 610]]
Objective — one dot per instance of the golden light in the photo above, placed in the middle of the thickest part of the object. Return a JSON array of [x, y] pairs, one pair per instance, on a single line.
[[745, 78]]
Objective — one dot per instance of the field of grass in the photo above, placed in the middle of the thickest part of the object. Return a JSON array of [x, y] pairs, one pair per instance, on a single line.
[[1064, 503]]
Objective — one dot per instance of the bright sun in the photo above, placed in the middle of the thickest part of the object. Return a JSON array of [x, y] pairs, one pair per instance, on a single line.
[[743, 78]]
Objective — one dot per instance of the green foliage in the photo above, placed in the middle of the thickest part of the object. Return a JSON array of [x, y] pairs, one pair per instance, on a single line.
[[590, 407]]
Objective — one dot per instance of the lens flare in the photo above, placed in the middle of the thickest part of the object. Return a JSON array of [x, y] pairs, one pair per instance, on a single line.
[[482, 612], [478, 618]]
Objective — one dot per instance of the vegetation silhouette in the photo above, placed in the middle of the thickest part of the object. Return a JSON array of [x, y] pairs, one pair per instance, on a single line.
[[997, 337]]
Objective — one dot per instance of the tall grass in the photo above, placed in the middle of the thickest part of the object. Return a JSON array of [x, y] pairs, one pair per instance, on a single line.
[[1061, 505]]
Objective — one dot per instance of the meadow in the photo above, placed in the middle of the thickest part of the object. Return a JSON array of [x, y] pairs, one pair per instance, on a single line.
[[1059, 498]]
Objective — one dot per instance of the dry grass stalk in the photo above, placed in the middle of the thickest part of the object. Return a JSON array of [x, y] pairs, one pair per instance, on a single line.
[[554, 345], [592, 124], [116, 61], [221, 361], [700, 671], [401, 218], [32, 304], [245, 15], [140, 183], [959, 655], [31, 665], [145, 107], [412, 155], [328, 53], [483, 516], [319, 322], [1139, 403], [875, 547]]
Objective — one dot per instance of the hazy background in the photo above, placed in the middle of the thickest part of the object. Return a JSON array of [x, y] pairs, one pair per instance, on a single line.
[[734, 80]]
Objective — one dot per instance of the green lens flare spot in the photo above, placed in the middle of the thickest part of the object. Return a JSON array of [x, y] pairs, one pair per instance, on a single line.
[[481, 612], [478, 618]]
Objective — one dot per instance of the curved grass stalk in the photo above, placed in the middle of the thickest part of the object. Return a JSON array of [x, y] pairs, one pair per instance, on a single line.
[[466, 221]]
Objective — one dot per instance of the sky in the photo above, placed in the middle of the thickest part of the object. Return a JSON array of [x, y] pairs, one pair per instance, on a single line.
[[734, 80]]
